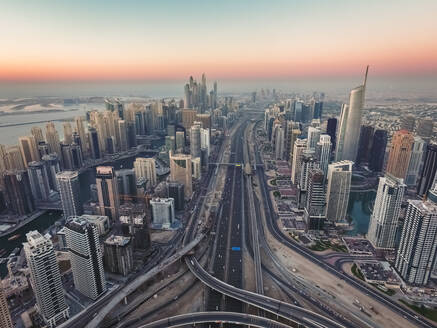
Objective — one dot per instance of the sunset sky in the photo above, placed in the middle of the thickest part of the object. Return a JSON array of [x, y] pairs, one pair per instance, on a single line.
[[167, 40]]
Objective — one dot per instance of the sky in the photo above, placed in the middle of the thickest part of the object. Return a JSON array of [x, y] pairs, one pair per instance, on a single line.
[[228, 39]]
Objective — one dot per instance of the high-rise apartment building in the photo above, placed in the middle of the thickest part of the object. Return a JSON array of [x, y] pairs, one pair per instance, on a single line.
[[385, 217], [69, 189], [94, 143], [176, 191], [350, 123], [51, 163], [315, 207], [68, 133], [45, 278], [296, 164], [205, 140], [309, 162], [126, 182], [14, 159], [118, 255], [5, 315], [338, 189], [146, 168], [52, 138], [331, 130], [313, 137], [18, 192], [417, 249], [86, 260], [400, 153], [163, 212], [181, 171], [37, 133], [29, 149], [80, 129], [379, 145], [39, 181], [366, 136], [323, 152], [107, 191], [414, 165], [429, 169], [408, 122], [195, 144]]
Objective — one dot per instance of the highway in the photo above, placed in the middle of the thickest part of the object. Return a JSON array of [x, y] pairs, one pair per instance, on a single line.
[[141, 280], [287, 311], [215, 317], [302, 250]]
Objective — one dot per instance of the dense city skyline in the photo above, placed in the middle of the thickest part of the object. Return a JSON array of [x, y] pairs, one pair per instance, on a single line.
[[170, 40]]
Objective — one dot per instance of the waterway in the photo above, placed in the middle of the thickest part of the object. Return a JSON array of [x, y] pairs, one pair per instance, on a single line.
[[42, 223], [359, 210]]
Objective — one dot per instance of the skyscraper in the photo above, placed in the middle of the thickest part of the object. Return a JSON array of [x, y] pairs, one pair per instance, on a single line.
[[118, 255], [13, 159], [52, 138], [107, 191], [379, 144], [417, 250], [146, 168], [51, 163], [18, 192], [85, 257], [5, 315], [176, 191], [181, 171], [80, 129], [205, 140], [29, 149], [313, 137], [413, 170], [68, 133], [36, 132], [126, 182], [338, 189], [69, 189], [314, 213], [385, 217], [323, 152], [331, 130], [45, 278], [163, 212], [350, 123], [428, 171], [366, 136], [296, 164], [39, 180], [400, 153], [94, 143], [195, 140]]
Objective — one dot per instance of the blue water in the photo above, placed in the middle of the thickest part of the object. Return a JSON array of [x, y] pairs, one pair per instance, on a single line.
[[360, 205]]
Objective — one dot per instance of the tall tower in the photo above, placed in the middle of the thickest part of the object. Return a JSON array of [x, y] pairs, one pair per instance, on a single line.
[[296, 163], [29, 150], [36, 131], [107, 191], [68, 133], [379, 144], [415, 161], [337, 193], [80, 129], [39, 180], [86, 257], [331, 130], [417, 250], [146, 168], [323, 152], [313, 137], [400, 153], [428, 171], [69, 189], [385, 216], [18, 192], [366, 136], [181, 171], [316, 200], [45, 278], [52, 138], [93, 138], [5, 315], [350, 123], [195, 140]]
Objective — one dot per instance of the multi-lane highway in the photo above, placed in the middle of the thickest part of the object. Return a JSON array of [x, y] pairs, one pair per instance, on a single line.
[[277, 233], [216, 318]]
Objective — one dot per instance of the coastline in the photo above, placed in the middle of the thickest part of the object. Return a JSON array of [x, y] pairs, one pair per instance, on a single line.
[[22, 223]]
